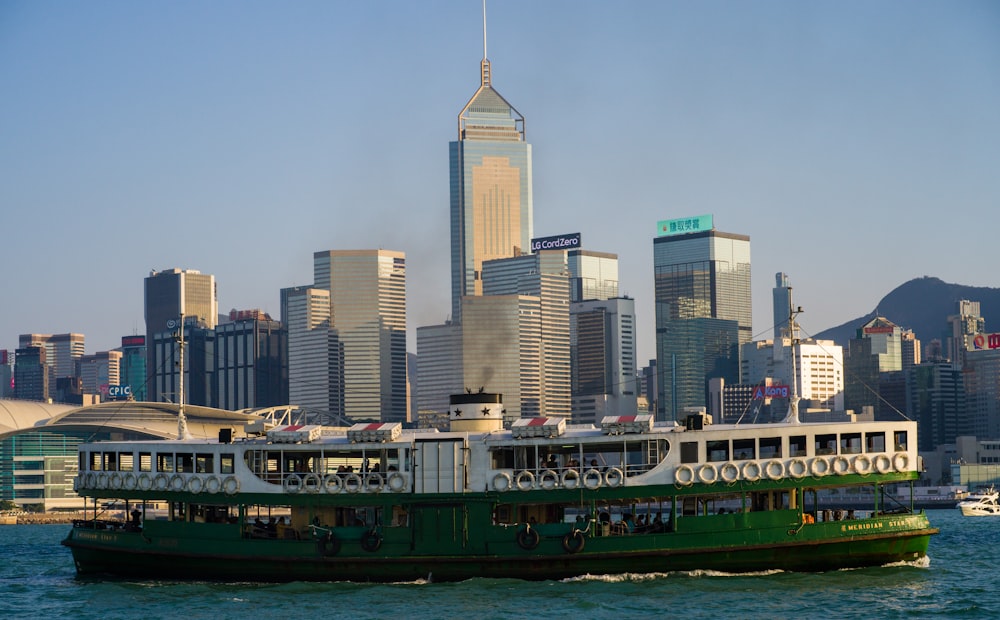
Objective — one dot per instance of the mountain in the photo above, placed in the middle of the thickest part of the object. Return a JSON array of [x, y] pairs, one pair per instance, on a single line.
[[923, 305]]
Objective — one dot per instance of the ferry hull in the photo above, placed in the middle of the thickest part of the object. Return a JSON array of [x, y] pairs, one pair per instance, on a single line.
[[814, 547]]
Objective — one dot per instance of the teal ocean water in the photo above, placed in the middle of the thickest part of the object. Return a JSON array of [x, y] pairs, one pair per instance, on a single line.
[[958, 580]]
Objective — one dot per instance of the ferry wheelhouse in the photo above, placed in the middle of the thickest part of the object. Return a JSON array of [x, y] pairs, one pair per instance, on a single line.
[[539, 500]]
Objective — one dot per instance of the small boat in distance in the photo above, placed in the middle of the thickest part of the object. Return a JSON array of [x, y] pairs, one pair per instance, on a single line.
[[982, 503]]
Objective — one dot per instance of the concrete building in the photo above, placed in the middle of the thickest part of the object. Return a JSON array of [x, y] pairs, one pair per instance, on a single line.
[[545, 277], [368, 331], [100, 371], [439, 371], [602, 346], [819, 368], [132, 368], [876, 349], [167, 295], [250, 368], [306, 314]]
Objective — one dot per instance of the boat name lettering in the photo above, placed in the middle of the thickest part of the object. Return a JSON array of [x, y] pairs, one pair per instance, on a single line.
[[861, 526]]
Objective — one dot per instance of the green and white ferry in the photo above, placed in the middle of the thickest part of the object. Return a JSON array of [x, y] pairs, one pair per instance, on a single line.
[[538, 500]]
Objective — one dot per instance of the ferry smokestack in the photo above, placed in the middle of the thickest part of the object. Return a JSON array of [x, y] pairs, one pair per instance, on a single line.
[[481, 412]]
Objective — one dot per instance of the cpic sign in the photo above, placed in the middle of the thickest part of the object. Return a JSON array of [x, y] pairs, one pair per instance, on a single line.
[[119, 391]]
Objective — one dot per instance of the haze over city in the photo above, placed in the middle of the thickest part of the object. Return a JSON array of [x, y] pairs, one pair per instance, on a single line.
[[856, 144]]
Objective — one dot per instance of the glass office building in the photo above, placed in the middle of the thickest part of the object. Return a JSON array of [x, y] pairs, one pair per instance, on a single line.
[[703, 314], [491, 205]]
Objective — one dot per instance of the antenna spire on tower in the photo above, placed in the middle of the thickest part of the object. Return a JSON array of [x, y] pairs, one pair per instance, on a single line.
[[485, 65]]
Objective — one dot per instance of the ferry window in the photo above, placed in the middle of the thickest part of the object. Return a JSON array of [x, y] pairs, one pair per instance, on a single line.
[[125, 461], [110, 461], [95, 461], [826, 444], [165, 463], [770, 447], [850, 443], [503, 458], [185, 463], [203, 464], [635, 460], [689, 452], [717, 450], [145, 461], [900, 440], [81, 461], [874, 442], [797, 445], [226, 463], [743, 449]]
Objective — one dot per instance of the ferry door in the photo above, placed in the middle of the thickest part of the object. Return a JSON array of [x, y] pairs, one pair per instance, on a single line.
[[439, 466]]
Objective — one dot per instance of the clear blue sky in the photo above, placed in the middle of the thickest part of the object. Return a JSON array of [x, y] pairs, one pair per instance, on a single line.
[[856, 143]]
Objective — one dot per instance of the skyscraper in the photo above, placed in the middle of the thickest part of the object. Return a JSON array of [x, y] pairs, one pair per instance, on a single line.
[[491, 204], [368, 331], [306, 313], [703, 309], [543, 276], [168, 294], [781, 296]]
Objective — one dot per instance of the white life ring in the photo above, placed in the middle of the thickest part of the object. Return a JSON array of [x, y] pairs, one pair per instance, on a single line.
[[708, 474], [751, 471], [683, 475], [797, 468], [231, 486], [503, 482], [292, 483], [570, 479], [396, 482], [863, 464], [730, 472], [195, 484], [352, 483], [161, 482], [312, 483], [901, 461], [177, 483], [883, 464], [841, 466], [614, 477], [525, 480], [374, 482], [144, 483], [115, 481], [819, 466], [213, 484], [91, 481], [592, 479], [128, 481], [332, 483], [102, 480], [548, 479], [774, 469]]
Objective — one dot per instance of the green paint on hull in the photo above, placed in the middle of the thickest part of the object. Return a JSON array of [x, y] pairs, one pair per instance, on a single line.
[[729, 543]]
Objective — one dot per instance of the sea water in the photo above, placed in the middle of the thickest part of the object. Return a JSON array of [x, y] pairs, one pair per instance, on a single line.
[[958, 579]]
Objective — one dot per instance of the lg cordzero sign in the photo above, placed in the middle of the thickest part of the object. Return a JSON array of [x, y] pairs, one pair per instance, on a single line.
[[559, 242]]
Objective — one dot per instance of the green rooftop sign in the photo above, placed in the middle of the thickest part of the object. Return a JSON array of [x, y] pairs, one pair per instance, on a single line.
[[698, 223]]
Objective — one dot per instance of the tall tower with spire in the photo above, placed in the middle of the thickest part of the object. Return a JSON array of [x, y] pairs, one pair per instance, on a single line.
[[491, 207]]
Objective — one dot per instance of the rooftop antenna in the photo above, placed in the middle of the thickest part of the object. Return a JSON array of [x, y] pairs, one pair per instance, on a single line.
[[485, 65], [182, 428], [793, 332]]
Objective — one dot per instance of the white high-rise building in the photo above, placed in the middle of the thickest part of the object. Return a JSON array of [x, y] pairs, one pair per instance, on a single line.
[[306, 312], [439, 368], [819, 368]]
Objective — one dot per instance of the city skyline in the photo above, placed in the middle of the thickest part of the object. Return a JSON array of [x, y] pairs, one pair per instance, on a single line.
[[854, 145]]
